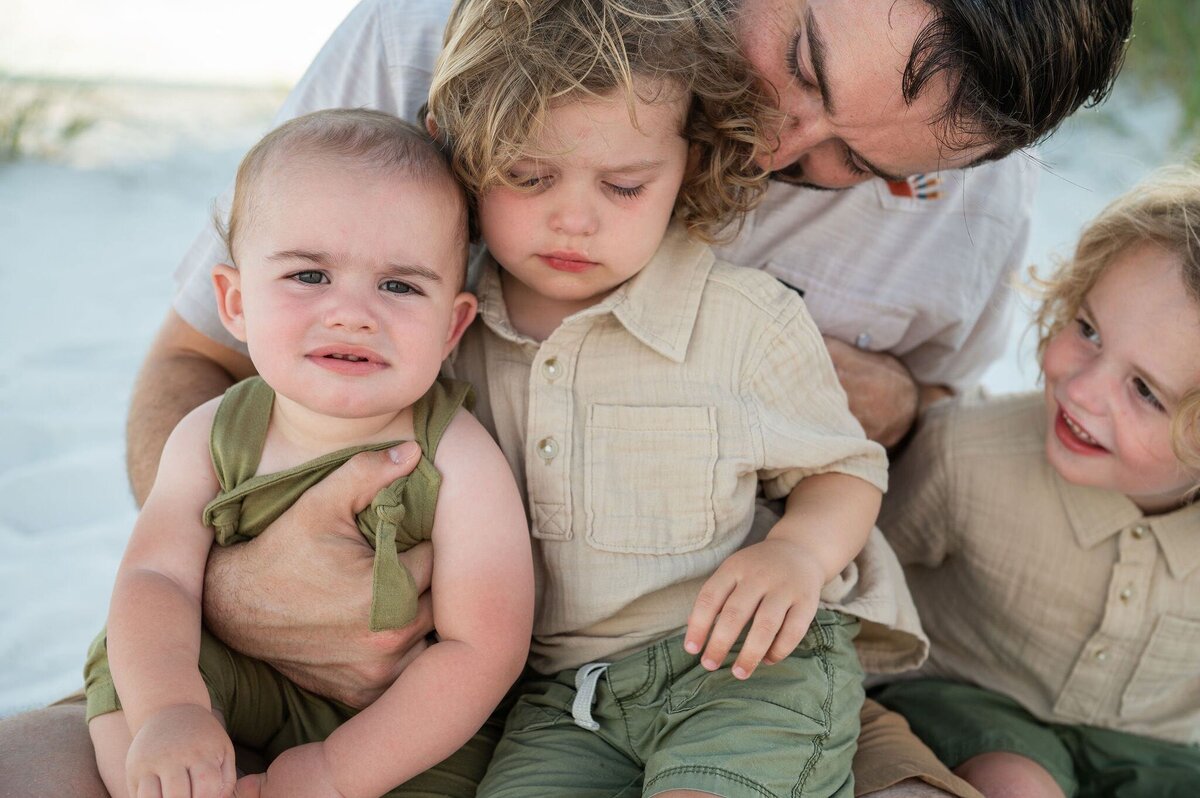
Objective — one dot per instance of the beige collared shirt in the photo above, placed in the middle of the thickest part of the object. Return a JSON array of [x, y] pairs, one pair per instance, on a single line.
[[1067, 599], [641, 430]]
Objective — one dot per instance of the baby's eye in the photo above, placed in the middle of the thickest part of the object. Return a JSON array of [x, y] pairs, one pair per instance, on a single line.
[[1146, 394], [310, 277], [627, 192], [1087, 330], [397, 287]]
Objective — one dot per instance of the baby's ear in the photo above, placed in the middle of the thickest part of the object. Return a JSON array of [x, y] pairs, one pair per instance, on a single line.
[[431, 125], [227, 283]]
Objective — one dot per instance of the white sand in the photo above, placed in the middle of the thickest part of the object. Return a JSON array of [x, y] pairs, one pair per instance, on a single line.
[[89, 247]]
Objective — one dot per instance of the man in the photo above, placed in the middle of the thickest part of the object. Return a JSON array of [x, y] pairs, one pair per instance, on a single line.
[[903, 270]]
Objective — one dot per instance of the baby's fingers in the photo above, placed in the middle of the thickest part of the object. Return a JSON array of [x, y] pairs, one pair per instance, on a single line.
[[794, 628], [209, 780], [735, 615]]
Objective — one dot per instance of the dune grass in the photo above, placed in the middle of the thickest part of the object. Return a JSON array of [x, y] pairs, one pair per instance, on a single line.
[[1165, 52]]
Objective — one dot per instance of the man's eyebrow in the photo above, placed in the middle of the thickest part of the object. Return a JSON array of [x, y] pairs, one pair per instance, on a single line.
[[816, 51]]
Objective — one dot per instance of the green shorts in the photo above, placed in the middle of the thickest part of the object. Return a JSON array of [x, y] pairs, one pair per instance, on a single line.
[[662, 722], [268, 713], [959, 721]]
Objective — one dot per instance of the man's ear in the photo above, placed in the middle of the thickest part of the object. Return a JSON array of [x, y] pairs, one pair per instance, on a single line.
[[462, 313], [227, 283]]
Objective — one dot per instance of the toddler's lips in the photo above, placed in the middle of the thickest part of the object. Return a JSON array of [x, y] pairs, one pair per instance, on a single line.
[[573, 262], [352, 360]]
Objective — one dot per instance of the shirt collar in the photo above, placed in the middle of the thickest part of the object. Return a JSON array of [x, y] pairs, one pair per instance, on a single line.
[[678, 270], [1097, 515]]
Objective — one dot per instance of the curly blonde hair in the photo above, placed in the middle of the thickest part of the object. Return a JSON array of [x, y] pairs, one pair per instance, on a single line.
[[1163, 210], [506, 63]]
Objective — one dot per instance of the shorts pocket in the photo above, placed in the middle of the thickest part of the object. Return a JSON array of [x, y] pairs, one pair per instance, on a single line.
[[1167, 678], [648, 478]]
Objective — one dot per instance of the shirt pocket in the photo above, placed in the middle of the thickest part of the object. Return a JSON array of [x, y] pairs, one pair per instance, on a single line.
[[1166, 681], [648, 478]]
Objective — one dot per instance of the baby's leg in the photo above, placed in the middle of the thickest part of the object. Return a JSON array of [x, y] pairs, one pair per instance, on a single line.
[[111, 739], [1000, 774]]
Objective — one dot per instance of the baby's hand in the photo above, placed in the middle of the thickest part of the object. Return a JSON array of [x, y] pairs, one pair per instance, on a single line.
[[300, 772], [181, 752], [777, 583]]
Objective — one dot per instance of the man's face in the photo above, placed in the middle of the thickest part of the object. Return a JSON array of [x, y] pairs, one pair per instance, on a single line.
[[836, 68]]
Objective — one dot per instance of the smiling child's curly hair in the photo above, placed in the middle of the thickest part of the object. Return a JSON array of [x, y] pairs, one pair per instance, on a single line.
[[1164, 211]]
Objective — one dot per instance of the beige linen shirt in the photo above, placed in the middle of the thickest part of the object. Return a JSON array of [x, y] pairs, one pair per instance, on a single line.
[[641, 430], [1067, 599]]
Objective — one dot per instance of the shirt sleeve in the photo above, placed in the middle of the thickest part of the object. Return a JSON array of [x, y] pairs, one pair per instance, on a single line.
[[916, 517], [804, 422], [380, 57]]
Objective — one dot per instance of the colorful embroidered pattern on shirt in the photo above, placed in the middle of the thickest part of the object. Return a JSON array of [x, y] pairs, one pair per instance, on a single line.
[[920, 187]]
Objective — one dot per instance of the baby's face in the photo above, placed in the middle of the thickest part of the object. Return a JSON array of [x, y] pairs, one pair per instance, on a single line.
[[1115, 375], [350, 286]]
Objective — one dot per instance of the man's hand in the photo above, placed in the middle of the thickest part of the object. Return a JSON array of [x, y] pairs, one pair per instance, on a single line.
[[883, 395], [299, 595]]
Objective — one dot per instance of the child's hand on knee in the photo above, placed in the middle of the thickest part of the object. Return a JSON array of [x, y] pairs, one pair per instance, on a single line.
[[774, 586], [181, 751]]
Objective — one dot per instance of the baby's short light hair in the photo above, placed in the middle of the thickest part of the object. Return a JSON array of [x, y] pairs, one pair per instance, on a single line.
[[1163, 210], [365, 138], [506, 63]]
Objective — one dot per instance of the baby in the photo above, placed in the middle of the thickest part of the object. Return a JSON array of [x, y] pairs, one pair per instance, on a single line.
[[348, 236]]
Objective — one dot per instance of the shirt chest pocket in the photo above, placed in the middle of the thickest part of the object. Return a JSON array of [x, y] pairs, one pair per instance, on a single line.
[[1166, 681], [648, 478]]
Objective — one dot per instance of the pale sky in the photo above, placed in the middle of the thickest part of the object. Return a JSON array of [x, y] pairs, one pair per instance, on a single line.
[[204, 41]]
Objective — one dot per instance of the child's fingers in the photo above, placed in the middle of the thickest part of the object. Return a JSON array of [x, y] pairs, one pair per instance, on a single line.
[[148, 786], [248, 786], [229, 774], [705, 610], [737, 611], [794, 628], [764, 630]]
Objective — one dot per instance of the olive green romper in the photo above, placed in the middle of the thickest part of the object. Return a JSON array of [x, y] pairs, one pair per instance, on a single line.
[[262, 709]]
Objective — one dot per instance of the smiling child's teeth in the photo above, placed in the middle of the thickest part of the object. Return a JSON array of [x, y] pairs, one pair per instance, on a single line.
[[1079, 431]]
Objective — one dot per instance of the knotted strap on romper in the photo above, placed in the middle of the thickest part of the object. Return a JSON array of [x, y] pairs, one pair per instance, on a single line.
[[399, 517]]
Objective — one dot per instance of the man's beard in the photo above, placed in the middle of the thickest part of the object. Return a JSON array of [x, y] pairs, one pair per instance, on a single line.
[[793, 175]]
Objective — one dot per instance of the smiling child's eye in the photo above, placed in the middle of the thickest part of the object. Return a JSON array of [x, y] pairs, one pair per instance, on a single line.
[[1087, 330], [1145, 394], [310, 277]]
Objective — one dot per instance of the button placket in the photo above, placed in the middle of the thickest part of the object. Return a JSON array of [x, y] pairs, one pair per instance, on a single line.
[[549, 431]]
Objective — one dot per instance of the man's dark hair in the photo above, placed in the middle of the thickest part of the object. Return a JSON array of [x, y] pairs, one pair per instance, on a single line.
[[1018, 68]]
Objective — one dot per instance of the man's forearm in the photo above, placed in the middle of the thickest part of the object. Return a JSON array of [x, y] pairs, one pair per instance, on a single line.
[[182, 370]]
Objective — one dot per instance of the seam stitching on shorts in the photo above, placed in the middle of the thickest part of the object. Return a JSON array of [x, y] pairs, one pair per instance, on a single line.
[[712, 771], [818, 742]]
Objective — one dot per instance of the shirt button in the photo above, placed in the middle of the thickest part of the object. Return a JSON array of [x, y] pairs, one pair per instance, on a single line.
[[551, 369], [547, 449], [1139, 531], [1101, 654], [1126, 594]]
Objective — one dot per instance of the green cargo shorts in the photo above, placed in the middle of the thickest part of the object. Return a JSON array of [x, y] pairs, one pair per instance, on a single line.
[[268, 713], [959, 721], [660, 722]]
